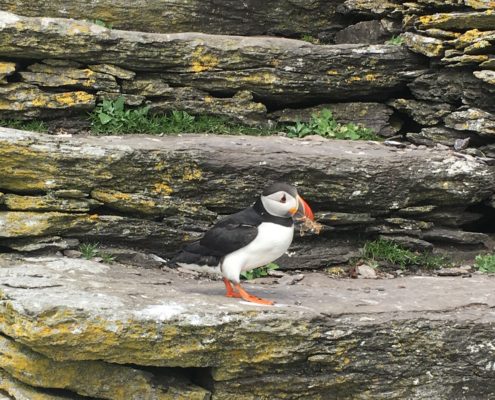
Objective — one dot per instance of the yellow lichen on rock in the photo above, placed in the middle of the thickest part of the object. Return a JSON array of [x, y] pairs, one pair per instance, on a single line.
[[202, 61], [15, 224], [163, 189], [45, 203]]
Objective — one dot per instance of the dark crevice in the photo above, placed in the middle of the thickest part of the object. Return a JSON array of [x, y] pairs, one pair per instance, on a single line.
[[166, 376], [486, 224]]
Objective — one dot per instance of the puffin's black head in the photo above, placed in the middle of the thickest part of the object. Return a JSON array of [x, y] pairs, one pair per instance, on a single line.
[[282, 200]]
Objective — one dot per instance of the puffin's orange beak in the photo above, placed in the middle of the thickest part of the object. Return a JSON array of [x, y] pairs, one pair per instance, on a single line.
[[302, 210]]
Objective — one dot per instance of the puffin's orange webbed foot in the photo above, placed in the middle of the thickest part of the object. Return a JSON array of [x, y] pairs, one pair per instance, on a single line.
[[253, 299], [230, 289]]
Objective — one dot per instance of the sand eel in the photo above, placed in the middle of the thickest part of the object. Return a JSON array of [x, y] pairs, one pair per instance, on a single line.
[[249, 239]]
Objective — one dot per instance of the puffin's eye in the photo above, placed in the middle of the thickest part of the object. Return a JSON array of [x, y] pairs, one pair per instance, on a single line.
[[283, 199]]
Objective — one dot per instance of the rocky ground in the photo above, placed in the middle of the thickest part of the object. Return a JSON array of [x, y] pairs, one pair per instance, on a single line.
[[149, 334]]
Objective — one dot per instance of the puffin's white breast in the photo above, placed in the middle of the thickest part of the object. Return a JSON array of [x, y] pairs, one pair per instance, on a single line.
[[272, 241]]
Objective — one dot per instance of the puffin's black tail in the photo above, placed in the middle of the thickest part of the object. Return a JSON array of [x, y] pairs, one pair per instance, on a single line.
[[194, 253]]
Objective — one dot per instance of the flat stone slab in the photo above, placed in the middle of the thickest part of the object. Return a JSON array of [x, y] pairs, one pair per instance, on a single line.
[[341, 330]]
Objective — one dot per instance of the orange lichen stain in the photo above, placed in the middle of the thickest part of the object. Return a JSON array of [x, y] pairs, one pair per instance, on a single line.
[[370, 77], [354, 79], [332, 72], [93, 217], [162, 188], [201, 61], [208, 99]]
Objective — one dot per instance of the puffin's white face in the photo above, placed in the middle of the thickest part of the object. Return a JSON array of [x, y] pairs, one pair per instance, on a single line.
[[280, 204]]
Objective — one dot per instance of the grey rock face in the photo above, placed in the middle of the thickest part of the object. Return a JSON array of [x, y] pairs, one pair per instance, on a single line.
[[166, 191], [320, 337]]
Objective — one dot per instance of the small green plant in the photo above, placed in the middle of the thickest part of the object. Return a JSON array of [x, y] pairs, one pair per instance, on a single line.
[[34, 125], [89, 250], [385, 251], [112, 116], [395, 40], [324, 124], [485, 263], [259, 272], [100, 22], [310, 39], [106, 257]]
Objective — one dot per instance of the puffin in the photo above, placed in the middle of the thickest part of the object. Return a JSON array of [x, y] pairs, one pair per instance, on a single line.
[[249, 239]]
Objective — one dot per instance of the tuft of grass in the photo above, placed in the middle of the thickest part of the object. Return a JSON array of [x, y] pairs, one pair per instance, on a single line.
[[106, 257], [113, 117], [89, 250], [324, 124], [259, 272], [384, 251], [395, 40], [485, 263], [34, 125], [92, 250]]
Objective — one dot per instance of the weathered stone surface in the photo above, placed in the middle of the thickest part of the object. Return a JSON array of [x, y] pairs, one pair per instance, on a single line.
[[450, 235], [240, 107], [129, 99], [91, 378], [46, 243], [303, 348], [472, 119], [281, 70], [450, 86], [289, 18], [25, 101], [375, 116], [422, 112], [427, 46], [410, 243], [441, 34], [437, 134], [60, 62], [464, 60], [6, 69], [68, 77], [489, 64], [371, 32], [459, 20], [370, 8], [113, 70], [486, 76], [48, 203], [144, 178], [20, 391]]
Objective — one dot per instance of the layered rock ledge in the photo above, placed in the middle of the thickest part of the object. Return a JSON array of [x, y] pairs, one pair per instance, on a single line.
[[155, 335], [155, 193]]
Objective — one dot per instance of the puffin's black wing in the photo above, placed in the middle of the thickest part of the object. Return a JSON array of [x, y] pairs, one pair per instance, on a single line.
[[225, 237]]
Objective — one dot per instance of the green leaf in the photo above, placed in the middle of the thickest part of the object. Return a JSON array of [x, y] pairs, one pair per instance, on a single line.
[[104, 118]]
